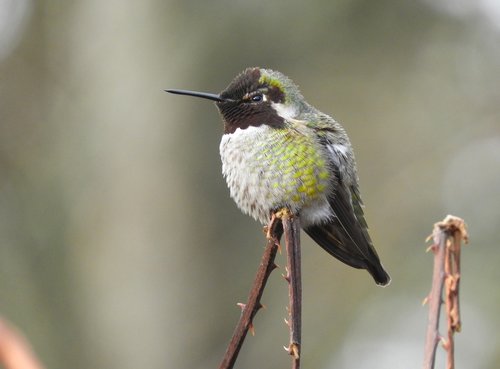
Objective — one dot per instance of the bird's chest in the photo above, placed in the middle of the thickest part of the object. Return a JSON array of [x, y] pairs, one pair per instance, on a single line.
[[267, 168]]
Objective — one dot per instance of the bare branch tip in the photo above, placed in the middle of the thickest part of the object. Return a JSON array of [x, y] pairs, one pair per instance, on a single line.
[[453, 224]]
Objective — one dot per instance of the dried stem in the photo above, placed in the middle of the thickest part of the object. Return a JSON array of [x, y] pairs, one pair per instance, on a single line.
[[447, 236], [267, 265], [291, 227], [457, 231]]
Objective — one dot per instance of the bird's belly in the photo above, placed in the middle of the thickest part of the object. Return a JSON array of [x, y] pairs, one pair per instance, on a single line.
[[267, 168]]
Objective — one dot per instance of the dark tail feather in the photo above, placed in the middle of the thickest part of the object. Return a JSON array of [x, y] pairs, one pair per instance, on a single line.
[[379, 274], [337, 242], [346, 236]]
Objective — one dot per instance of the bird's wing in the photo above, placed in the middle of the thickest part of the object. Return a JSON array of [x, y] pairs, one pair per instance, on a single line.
[[345, 236]]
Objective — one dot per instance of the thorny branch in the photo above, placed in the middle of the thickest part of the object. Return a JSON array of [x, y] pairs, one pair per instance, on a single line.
[[267, 265], [291, 227], [447, 236], [281, 221]]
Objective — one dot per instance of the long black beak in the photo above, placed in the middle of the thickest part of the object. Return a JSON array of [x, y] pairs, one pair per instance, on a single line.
[[203, 95]]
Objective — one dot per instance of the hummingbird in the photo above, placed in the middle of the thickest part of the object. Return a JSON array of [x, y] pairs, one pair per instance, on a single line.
[[279, 151]]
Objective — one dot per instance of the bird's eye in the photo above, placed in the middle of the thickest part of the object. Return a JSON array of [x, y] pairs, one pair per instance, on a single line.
[[257, 98]]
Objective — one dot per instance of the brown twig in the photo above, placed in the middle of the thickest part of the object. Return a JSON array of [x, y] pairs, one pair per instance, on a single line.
[[291, 227], [267, 265], [15, 351], [447, 236]]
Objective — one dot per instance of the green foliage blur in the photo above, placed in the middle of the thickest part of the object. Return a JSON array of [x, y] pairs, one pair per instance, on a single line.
[[119, 244]]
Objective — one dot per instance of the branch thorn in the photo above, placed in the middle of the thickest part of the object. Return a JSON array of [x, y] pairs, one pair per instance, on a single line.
[[293, 350], [241, 305], [251, 328], [425, 300]]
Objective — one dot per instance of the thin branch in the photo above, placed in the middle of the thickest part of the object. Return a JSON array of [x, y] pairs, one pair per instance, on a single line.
[[15, 351], [267, 265], [291, 227], [447, 236], [434, 299]]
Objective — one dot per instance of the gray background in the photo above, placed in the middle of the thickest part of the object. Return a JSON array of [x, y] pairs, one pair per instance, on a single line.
[[119, 244]]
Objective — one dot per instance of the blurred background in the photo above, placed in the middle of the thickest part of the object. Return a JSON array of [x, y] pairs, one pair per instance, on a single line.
[[119, 244]]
